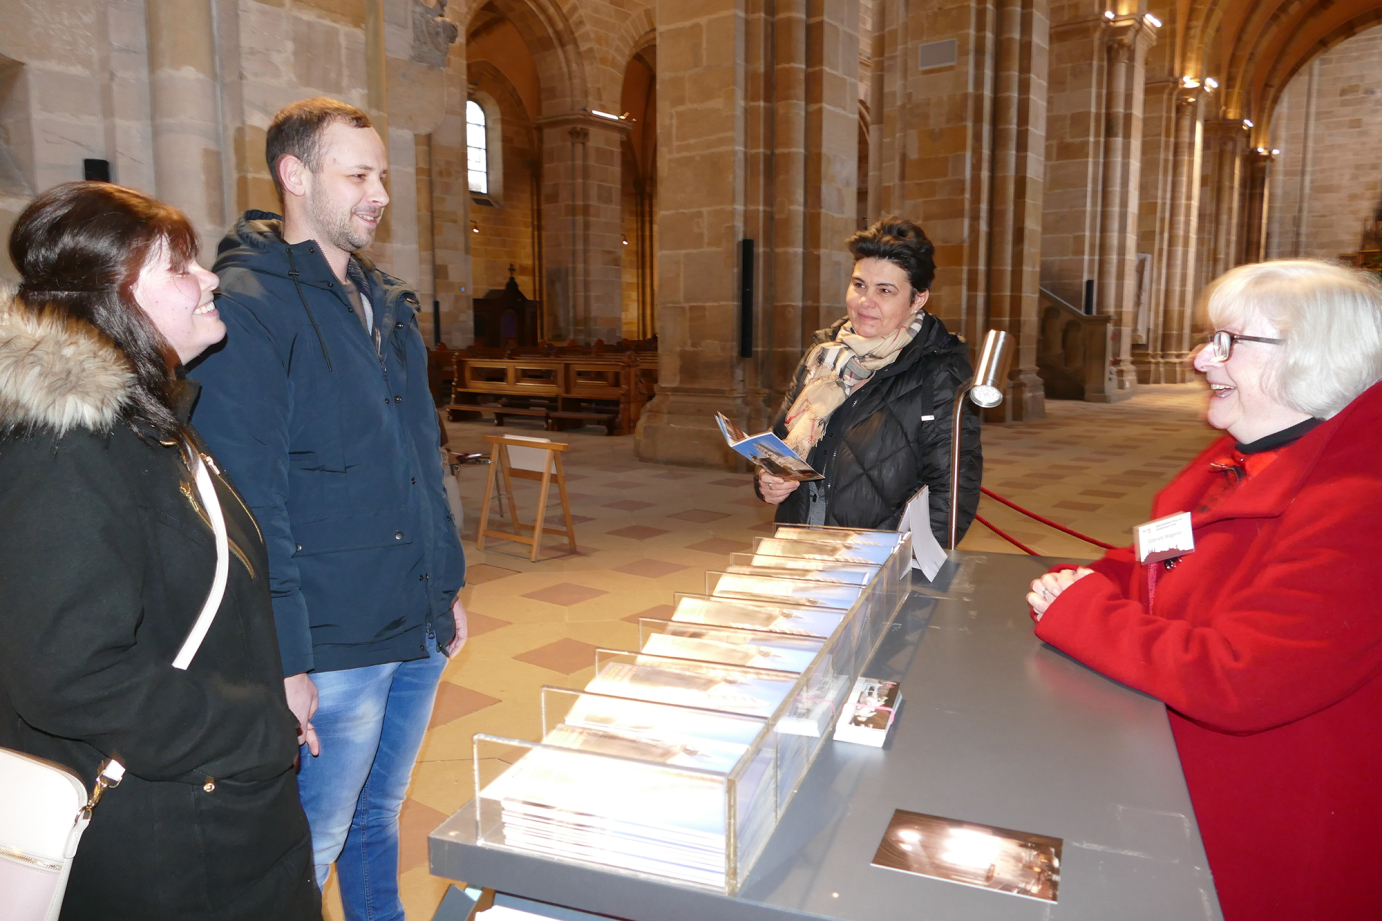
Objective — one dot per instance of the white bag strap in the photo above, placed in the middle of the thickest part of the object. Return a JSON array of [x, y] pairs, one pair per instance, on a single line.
[[112, 771], [206, 489]]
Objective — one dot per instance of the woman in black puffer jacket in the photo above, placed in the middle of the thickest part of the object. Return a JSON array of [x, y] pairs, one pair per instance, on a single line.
[[871, 403]]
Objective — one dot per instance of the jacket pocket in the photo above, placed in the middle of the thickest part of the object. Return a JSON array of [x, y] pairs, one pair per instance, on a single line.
[[352, 532]]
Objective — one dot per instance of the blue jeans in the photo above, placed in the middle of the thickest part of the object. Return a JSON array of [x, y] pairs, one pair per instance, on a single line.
[[370, 722]]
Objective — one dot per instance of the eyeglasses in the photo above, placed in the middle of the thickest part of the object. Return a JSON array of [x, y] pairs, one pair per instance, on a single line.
[[1222, 342]]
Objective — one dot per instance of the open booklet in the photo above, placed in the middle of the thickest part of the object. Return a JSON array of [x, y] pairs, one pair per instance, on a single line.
[[767, 451]]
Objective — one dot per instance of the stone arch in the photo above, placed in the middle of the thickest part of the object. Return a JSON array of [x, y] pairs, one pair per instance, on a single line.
[[555, 40], [635, 33], [1286, 68]]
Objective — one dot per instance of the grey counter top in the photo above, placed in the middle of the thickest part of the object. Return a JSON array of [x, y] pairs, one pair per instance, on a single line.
[[995, 728]]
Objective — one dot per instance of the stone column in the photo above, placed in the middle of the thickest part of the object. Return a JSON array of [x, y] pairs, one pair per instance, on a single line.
[[1117, 289], [581, 168], [1019, 138], [757, 111], [1183, 245], [1255, 205], [1225, 145], [186, 128], [701, 93]]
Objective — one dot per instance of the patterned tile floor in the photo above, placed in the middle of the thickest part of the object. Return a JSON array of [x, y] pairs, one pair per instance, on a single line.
[[645, 531]]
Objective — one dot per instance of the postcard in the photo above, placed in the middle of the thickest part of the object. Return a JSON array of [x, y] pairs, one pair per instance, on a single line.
[[847, 537], [727, 612], [869, 713], [1001, 859]]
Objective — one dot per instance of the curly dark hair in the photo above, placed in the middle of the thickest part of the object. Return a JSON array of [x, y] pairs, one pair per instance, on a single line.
[[902, 243], [79, 248]]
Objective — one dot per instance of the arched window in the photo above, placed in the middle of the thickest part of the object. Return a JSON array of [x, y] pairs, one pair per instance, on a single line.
[[476, 148]]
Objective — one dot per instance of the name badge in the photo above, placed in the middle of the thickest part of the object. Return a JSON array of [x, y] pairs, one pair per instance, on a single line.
[[1164, 538]]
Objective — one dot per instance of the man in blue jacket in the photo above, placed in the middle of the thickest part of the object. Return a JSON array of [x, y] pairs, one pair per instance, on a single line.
[[317, 406]]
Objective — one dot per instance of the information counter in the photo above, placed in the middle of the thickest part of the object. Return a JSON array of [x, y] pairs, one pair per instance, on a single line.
[[994, 728]]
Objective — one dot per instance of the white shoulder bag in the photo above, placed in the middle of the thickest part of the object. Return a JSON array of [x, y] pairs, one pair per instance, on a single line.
[[44, 808]]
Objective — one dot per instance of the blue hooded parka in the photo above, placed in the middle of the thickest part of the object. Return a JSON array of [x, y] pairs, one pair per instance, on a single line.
[[332, 437]]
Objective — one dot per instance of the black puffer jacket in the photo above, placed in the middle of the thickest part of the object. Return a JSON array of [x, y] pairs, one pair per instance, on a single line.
[[877, 450]]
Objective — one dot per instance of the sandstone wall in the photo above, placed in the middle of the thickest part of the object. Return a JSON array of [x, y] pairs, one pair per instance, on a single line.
[[1327, 180]]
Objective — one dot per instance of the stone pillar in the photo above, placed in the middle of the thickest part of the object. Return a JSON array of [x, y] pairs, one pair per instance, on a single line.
[[1019, 136], [1128, 43], [1183, 245], [1154, 217], [701, 93], [581, 170], [787, 330], [1225, 145], [186, 127], [757, 112], [1255, 205]]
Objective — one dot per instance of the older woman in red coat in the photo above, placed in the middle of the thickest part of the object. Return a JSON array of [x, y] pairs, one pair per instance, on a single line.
[[1265, 641]]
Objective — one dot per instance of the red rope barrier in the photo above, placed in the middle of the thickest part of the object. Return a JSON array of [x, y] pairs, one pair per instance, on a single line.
[[1046, 521], [1007, 537]]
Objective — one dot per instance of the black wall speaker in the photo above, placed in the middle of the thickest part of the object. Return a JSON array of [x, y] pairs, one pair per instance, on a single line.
[[746, 298], [96, 170]]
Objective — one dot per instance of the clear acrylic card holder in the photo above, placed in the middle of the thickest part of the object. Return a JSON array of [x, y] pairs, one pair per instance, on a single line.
[[677, 760], [643, 816], [731, 645], [724, 611]]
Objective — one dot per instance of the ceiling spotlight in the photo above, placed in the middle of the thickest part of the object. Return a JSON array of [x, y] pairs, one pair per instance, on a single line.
[[1261, 150], [598, 114], [1108, 14], [1275, 151], [1189, 83], [1211, 83], [625, 241], [1247, 123], [474, 227], [1152, 21]]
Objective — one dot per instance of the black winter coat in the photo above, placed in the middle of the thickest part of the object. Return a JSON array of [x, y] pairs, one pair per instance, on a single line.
[[877, 450], [105, 564]]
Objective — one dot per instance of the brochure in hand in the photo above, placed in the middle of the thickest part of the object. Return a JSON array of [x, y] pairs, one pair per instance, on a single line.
[[767, 451]]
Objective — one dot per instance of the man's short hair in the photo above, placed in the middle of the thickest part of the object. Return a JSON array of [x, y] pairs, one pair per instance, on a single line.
[[1330, 318], [296, 131]]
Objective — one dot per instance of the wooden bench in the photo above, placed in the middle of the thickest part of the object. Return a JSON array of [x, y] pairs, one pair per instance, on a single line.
[[608, 389]]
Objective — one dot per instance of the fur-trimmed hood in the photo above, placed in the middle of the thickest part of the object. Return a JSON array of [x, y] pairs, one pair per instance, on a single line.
[[58, 374]]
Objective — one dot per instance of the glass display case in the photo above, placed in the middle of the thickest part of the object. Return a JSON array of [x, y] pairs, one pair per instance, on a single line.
[[677, 759]]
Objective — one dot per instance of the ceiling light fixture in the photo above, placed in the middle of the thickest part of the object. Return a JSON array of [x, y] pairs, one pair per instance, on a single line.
[[1189, 83], [1152, 21], [1211, 83], [1275, 151], [1108, 14], [474, 227], [598, 114], [1247, 123]]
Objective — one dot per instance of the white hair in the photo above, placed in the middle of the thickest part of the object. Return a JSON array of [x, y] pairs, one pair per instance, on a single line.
[[1330, 318]]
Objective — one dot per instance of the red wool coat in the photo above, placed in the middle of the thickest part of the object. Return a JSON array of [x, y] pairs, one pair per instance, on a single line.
[[1266, 645]]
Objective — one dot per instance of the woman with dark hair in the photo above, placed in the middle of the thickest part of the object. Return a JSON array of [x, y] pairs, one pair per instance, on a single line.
[[106, 559], [871, 403]]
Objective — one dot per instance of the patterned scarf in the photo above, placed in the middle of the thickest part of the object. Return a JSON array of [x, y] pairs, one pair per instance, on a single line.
[[836, 369]]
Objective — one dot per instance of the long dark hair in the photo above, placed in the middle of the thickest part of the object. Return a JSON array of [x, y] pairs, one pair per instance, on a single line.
[[79, 248]]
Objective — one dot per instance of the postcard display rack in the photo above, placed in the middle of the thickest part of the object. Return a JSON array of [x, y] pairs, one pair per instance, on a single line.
[[676, 761]]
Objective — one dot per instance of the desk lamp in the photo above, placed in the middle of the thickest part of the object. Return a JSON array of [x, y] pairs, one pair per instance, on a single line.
[[986, 390]]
